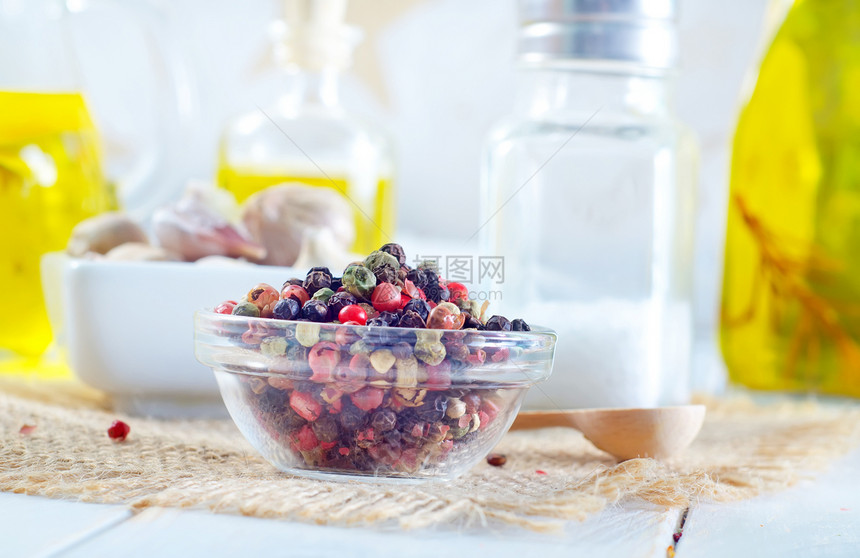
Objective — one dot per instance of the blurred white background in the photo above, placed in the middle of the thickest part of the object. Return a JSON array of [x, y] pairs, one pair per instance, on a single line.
[[437, 74]]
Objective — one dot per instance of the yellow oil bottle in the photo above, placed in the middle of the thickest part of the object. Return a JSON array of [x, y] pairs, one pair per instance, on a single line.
[[50, 179], [305, 134], [790, 315]]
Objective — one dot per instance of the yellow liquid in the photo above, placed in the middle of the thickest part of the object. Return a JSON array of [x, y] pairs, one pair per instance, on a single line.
[[50, 179], [791, 291], [374, 221]]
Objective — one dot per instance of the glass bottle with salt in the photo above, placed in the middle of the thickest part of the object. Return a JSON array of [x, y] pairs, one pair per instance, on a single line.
[[588, 195]]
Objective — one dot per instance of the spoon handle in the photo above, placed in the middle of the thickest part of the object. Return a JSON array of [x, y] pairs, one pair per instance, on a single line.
[[529, 420]]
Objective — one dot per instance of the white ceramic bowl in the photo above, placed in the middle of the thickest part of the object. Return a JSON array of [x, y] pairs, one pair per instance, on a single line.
[[127, 328]]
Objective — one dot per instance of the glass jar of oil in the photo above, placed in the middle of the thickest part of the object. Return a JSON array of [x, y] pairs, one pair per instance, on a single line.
[[306, 136], [50, 179], [790, 316], [51, 174]]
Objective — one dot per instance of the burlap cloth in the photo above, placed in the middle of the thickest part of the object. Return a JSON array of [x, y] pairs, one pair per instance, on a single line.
[[550, 476]]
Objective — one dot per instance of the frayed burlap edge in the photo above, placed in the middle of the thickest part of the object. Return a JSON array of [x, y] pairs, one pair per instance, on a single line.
[[551, 476]]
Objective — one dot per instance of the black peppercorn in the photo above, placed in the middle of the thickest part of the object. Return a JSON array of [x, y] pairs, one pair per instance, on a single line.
[[471, 322], [395, 250], [315, 311], [385, 274], [383, 420], [336, 283], [433, 408], [351, 417], [326, 429], [389, 319], [430, 272], [317, 280], [339, 301], [411, 319], [402, 350], [498, 323], [417, 277], [418, 306], [297, 353], [293, 281], [287, 309], [520, 325], [435, 292]]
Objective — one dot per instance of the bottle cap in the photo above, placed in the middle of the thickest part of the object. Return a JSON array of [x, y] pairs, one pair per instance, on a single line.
[[316, 34], [637, 32]]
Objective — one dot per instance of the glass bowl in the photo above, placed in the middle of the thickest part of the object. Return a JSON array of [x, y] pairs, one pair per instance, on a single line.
[[389, 403]]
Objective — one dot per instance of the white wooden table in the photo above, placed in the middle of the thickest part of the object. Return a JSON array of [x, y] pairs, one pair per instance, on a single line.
[[815, 518]]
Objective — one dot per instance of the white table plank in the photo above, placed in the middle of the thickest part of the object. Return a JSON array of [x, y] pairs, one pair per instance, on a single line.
[[632, 532], [820, 518], [32, 526]]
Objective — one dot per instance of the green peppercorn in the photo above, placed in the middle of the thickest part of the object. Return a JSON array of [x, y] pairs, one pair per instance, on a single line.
[[381, 259], [359, 281], [308, 333], [273, 346], [431, 353], [360, 347], [246, 309], [323, 295]]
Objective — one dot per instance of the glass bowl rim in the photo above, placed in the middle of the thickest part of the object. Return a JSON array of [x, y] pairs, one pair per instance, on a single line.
[[536, 330]]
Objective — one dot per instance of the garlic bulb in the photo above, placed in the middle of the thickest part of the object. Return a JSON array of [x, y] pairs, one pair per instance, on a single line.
[[194, 229], [102, 233], [293, 219]]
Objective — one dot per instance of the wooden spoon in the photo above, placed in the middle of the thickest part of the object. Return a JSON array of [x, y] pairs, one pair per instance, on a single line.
[[626, 433]]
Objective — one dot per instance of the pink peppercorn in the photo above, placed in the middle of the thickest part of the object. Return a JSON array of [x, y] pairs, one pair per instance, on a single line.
[[225, 307], [439, 376], [323, 358], [297, 292], [118, 431], [368, 398], [305, 405], [490, 408], [306, 439]]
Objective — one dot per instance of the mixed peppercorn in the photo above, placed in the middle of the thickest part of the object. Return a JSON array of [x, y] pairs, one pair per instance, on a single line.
[[372, 399]]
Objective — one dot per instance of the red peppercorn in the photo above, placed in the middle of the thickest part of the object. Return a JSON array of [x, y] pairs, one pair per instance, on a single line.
[[352, 313], [385, 298], [458, 291], [322, 359], [496, 459], [226, 307], [118, 431], [297, 292]]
